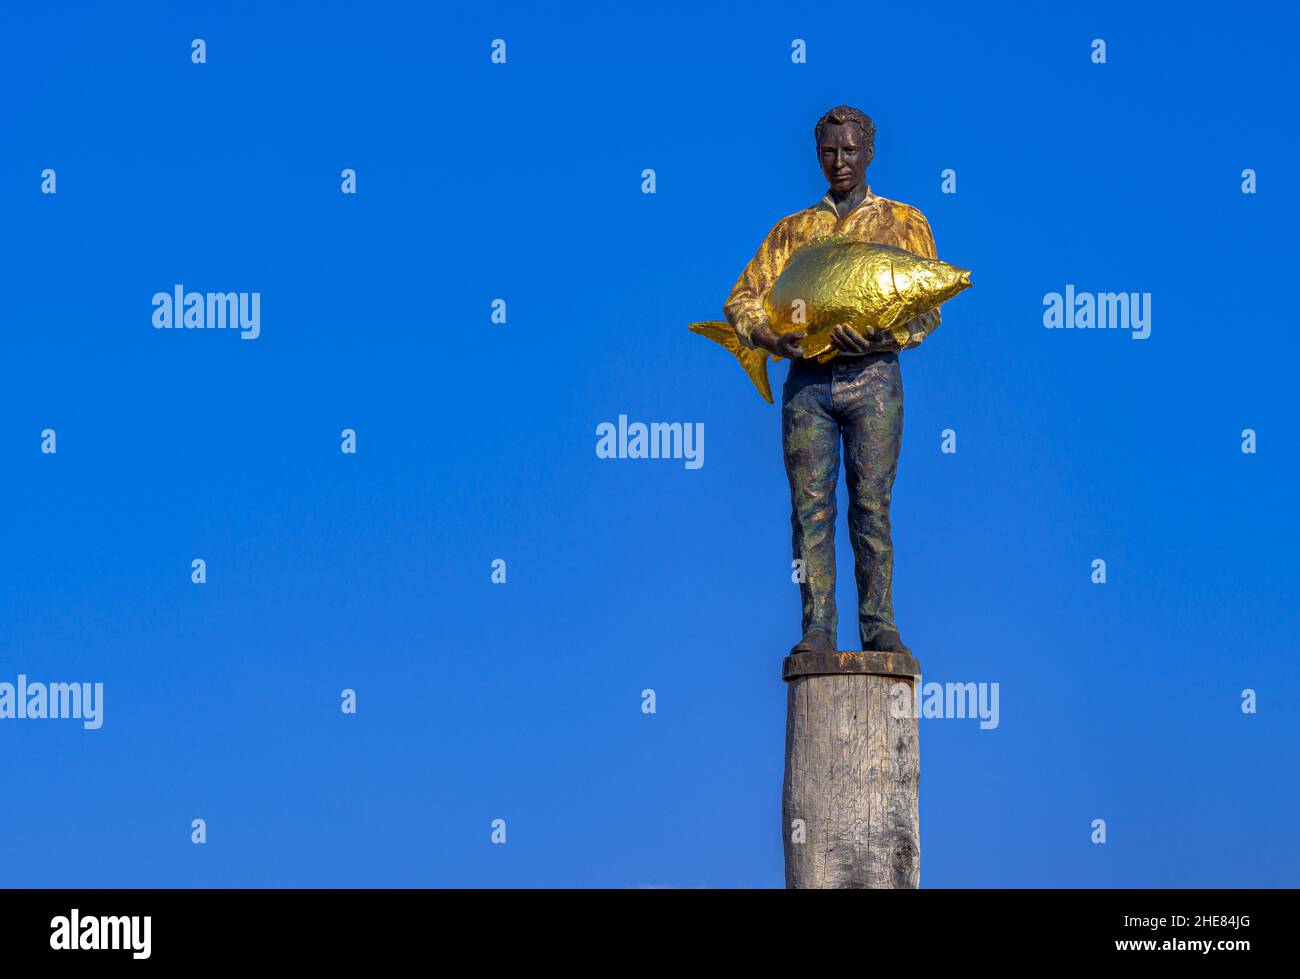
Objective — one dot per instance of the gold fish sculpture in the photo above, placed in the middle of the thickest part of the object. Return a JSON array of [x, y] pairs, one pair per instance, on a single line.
[[839, 280]]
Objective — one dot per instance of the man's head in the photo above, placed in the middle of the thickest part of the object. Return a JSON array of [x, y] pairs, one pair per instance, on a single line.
[[846, 140]]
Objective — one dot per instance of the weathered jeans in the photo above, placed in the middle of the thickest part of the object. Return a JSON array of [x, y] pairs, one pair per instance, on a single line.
[[858, 399]]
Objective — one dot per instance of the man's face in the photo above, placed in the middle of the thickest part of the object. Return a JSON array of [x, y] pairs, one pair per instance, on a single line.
[[844, 157]]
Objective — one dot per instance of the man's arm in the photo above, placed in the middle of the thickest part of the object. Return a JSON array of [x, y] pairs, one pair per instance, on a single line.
[[920, 242], [744, 307]]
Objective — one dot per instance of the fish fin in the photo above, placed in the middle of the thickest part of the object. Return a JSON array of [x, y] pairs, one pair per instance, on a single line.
[[753, 361], [816, 343]]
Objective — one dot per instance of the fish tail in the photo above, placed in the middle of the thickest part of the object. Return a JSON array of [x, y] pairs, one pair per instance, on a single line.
[[753, 361]]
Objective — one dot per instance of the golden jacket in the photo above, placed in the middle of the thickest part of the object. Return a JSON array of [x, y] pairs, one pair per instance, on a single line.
[[876, 219]]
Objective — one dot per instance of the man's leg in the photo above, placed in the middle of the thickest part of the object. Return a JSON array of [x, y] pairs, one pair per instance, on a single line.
[[868, 399], [810, 438]]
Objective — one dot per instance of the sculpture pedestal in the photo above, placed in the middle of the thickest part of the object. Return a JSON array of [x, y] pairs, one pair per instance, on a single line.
[[852, 771]]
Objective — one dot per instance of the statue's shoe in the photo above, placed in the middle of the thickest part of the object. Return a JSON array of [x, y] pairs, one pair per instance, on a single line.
[[885, 641], [814, 641]]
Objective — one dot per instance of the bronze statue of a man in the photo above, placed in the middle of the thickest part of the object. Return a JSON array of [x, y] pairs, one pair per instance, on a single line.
[[856, 397]]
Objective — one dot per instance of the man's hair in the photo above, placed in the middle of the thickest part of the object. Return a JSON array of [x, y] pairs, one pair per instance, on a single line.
[[842, 114]]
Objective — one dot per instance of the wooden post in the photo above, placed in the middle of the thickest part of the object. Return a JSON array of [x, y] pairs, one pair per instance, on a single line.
[[852, 769]]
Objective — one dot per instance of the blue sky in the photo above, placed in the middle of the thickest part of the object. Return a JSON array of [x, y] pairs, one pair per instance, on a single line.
[[476, 441]]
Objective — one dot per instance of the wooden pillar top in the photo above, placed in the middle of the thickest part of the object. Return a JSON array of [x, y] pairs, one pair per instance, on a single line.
[[853, 661]]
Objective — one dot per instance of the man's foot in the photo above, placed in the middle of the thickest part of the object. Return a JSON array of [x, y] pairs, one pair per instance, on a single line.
[[814, 641], [885, 641]]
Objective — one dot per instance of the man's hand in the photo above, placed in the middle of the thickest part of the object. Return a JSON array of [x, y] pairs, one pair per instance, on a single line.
[[847, 340], [785, 345]]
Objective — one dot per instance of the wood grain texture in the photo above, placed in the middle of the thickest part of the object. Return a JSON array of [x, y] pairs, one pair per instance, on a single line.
[[852, 772]]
